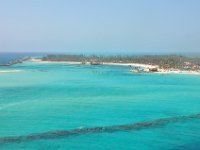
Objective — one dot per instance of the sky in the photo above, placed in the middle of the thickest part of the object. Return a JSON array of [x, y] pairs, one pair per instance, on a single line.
[[100, 25]]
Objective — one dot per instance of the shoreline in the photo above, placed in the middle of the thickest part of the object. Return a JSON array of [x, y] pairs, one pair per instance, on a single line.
[[146, 66], [10, 71], [87, 63]]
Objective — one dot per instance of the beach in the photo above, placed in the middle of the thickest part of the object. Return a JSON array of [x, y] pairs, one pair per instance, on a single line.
[[145, 66], [10, 71]]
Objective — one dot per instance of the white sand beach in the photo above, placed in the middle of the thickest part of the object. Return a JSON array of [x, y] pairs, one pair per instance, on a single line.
[[10, 71], [133, 64], [105, 63], [147, 66], [162, 71], [41, 61]]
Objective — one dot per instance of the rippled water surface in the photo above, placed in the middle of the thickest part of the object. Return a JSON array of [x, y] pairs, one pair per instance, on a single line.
[[50, 98]]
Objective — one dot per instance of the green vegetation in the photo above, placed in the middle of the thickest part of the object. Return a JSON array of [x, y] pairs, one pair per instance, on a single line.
[[164, 61]]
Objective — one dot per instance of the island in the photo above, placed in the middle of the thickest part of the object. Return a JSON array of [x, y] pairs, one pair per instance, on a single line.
[[148, 63]]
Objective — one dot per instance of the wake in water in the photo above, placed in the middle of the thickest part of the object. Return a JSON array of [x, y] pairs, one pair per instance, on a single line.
[[94, 130]]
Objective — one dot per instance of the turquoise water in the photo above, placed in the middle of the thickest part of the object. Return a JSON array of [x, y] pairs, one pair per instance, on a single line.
[[50, 97]]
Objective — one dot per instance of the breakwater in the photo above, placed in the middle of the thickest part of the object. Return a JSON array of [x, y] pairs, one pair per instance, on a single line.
[[16, 61]]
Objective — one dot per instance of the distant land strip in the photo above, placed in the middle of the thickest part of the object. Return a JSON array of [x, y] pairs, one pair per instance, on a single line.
[[163, 61], [96, 130]]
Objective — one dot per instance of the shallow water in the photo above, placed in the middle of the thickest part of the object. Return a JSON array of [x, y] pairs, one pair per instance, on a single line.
[[53, 97]]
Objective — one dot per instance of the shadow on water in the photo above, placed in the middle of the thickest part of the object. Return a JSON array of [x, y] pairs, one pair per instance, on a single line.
[[190, 146], [95, 130]]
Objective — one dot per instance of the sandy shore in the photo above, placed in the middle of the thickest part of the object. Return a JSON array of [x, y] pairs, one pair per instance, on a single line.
[[179, 72], [10, 71], [66, 62], [118, 64], [132, 64], [160, 71]]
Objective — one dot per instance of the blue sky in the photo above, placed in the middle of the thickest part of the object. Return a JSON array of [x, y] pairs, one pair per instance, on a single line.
[[100, 25]]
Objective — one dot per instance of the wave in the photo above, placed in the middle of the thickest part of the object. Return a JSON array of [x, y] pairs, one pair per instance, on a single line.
[[4, 106], [96, 130]]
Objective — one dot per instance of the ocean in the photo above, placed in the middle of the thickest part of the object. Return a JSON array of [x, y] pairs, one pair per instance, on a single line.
[[59, 106]]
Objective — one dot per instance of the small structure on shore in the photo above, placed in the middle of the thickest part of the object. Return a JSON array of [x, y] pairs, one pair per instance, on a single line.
[[136, 69], [83, 62], [189, 65], [140, 69], [153, 69], [93, 62]]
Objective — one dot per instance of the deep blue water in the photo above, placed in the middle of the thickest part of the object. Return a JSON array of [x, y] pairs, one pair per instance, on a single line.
[[7, 57]]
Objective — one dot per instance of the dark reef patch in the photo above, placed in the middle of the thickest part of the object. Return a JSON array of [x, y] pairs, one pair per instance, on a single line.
[[103, 129]]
